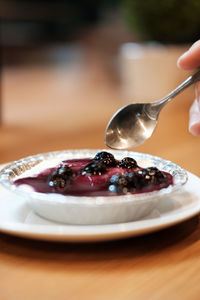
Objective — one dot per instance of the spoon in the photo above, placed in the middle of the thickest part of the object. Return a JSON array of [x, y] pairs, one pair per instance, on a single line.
[[133, 124]]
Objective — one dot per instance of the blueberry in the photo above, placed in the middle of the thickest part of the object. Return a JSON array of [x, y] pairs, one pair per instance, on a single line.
[[94, 168], [149, 176], [157, 176], [122, 183], [128, 163], [119, 179], [107, 158], [152, 171], [57, 181], [143, 178], [60, 177], [65, 171]]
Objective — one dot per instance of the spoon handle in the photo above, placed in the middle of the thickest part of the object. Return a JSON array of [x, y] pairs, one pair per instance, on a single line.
[[188, 82]]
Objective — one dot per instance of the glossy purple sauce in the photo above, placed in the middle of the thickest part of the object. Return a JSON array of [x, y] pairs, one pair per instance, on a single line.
[[81, 185]]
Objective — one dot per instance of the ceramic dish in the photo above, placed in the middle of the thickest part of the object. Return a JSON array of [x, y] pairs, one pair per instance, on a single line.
[[18, 218], [84, 210]]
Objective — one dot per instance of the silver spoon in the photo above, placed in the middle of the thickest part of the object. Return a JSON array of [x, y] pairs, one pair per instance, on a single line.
[[133, 124]]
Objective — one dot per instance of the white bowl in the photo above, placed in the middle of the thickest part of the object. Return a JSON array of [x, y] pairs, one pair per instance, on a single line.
[[84, 210]]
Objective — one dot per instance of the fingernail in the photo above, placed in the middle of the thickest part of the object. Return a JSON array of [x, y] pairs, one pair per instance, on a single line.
[[181, 57], [197, 93], [194, 121], [194, 129]]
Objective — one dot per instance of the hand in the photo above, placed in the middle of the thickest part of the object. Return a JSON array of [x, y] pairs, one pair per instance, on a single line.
[[188, 61]]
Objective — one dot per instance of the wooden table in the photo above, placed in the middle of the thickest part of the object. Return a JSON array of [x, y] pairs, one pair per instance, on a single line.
[[57, 107]]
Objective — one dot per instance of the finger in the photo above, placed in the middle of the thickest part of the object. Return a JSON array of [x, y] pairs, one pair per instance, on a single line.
[[191, 58], [197, 92], [194, 120]]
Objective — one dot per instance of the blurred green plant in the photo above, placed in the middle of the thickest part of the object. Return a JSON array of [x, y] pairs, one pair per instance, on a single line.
[[166, 21]]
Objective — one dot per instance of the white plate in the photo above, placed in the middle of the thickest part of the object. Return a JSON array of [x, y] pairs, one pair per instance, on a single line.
[[17, 218]]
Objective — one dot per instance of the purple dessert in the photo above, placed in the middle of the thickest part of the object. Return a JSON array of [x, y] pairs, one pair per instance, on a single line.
[[102, 175]]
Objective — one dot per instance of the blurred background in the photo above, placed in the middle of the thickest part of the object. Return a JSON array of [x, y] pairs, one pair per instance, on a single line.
[[67, 66]]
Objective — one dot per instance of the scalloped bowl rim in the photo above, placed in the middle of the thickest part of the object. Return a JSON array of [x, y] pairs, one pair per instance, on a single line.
[[91, 200]]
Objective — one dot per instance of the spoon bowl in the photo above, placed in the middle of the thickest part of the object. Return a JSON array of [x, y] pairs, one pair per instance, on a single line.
[[133, 124], [130, 127]]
